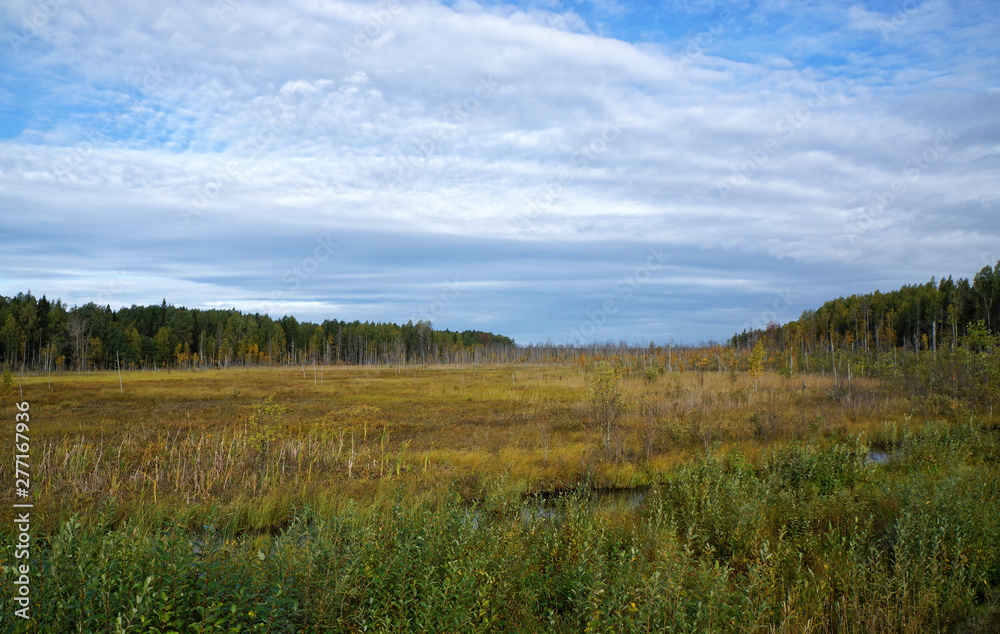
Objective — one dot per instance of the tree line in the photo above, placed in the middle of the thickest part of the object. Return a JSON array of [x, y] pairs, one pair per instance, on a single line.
[[937, 342], [920, 317], [39, 333], [43, 334], [868, 330]]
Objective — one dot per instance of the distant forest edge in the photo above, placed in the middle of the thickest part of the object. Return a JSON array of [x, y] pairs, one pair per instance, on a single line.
[[919, 317], [44, 334]]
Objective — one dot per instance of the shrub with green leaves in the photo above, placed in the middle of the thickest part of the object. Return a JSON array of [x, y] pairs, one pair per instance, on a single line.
[[7, 387], [809, 534], [607, 401], [262, 423]]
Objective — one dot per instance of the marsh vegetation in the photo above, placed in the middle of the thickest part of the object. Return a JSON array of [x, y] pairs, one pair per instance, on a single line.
[[601, 494]]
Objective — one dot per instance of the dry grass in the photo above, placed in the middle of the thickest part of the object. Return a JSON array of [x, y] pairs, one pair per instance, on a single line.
[[277, 500], [185, 439]]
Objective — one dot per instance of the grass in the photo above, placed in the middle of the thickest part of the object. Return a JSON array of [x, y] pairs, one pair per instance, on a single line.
[[262, 500]]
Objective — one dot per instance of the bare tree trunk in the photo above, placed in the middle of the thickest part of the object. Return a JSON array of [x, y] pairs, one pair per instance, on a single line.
[[78, 333], [934, 337]]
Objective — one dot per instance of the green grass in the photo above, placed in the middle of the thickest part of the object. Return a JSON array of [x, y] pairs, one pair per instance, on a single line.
[[177, 440], [187, 505]]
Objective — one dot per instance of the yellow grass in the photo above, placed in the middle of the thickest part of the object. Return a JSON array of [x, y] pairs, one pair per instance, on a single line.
[[184, 440]]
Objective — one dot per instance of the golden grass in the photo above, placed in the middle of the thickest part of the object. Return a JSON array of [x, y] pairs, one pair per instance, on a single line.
[[183, 439]]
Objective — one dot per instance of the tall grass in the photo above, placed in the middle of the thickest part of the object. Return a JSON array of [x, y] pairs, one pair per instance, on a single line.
[[187, 440], [808, 536]]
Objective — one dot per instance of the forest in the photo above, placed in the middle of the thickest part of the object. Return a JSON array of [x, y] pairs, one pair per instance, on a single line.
[[46, 334], [838, 473], [920, 317]]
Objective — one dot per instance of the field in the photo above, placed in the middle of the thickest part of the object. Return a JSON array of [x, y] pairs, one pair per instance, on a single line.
[[503, 498]]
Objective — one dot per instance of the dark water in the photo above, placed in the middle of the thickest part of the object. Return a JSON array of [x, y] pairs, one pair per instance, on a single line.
[[628, 496], [878, 457], [882, 455], [549, 505]]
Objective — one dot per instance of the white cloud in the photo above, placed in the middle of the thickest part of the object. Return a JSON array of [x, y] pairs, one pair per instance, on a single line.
[[491, 122]]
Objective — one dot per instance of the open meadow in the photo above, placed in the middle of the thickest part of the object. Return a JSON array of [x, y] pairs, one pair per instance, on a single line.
[[499, 317], [504, 498]]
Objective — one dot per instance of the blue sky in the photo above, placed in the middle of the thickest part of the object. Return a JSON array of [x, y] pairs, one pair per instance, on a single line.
[[562, 171]]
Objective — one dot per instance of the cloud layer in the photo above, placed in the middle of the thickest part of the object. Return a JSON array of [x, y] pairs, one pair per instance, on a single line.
[[497, 166]]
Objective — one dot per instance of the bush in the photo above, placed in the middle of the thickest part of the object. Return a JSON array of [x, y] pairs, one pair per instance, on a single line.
[[7, 386], [810, 534], [607, 403]]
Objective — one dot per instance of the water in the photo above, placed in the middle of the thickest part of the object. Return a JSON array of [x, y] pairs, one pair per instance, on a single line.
[[882, 456], [545, 506], [623, 496], [878, 457], [549, 506]]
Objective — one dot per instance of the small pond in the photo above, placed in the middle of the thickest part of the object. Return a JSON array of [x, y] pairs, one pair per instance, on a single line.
[[882, 455]]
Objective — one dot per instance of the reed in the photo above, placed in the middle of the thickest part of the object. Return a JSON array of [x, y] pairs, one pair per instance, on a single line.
[[253, 501]]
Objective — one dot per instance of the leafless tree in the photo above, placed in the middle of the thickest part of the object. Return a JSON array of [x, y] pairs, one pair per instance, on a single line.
[[79, 333]]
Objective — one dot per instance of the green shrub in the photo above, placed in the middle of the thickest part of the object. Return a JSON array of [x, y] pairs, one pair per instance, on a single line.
[[806, 534]]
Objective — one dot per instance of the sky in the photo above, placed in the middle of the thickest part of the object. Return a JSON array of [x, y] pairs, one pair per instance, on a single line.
[[570, 172]]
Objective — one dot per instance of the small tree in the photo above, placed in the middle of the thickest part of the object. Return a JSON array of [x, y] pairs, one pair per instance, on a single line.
[[757, 358], [979, 338], [981, 354], [262, 424], [6, 386], [607, 404]]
